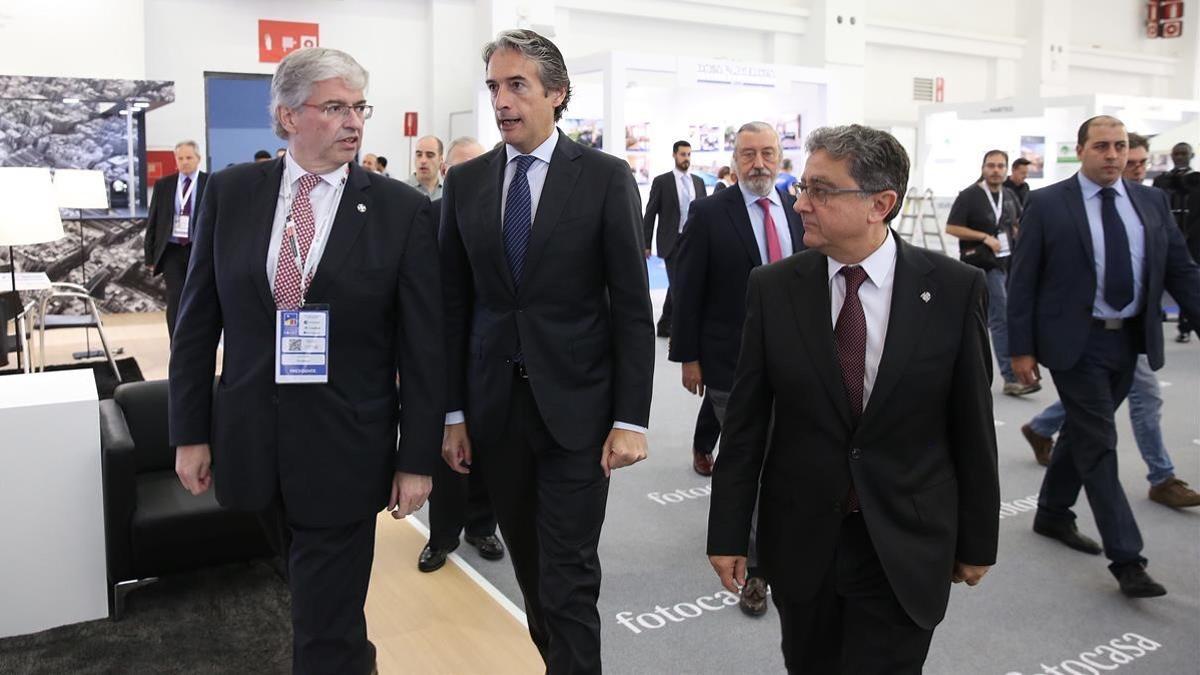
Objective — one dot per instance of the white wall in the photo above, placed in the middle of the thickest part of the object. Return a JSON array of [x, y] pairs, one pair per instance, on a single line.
[[996, 17], [390, 38], [72, 38], [889, 80]]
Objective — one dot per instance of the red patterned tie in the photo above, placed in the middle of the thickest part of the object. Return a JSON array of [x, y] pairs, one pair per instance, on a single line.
[[774, 250], [850, 333], [287, 277]]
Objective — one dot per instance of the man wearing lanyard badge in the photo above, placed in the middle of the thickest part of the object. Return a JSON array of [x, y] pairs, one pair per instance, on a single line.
[[984, 219], [168, 223], [325, 280]]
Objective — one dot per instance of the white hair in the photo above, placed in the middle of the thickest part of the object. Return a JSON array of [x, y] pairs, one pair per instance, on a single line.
[[299, 70]]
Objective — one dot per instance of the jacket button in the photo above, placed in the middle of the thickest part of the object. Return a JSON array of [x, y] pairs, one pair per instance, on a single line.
[[855, 453]]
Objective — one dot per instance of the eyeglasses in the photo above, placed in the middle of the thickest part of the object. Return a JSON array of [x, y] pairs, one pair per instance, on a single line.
[[820, 195], [342, 110]]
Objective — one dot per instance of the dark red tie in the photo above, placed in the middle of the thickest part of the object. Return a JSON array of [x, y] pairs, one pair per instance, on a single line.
[[850, 333], [185, 209], [289, 288]]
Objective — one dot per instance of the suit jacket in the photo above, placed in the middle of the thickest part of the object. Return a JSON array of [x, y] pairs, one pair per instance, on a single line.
[[922, 457], [712, 263], [1052, 278], [160, 217], [582, 318], [664, 204], [330, 448]]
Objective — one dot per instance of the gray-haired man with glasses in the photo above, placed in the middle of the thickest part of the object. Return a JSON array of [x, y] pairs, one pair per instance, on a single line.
[[726, 236]]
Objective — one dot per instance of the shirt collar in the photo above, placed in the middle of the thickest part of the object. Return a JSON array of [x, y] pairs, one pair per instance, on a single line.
[[191, 175], [879, 265], [752, 198], [295, 172], [542, 152], [680, 174], [1091, 188]]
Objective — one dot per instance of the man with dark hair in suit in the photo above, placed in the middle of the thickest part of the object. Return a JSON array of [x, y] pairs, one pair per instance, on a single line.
[[324, 279], [551, 338], [671, 195], [1017, 180], [726, 237], [860, 423], [1085, 291], [169, 227]]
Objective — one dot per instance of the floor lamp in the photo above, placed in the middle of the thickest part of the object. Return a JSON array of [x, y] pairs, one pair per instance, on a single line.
[[28, 212], [81, 189]]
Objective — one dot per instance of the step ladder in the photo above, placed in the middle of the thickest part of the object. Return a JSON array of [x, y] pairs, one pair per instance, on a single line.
[[919, 219]]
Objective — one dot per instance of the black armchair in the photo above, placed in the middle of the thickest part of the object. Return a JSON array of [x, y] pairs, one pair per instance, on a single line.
[[153, 526]]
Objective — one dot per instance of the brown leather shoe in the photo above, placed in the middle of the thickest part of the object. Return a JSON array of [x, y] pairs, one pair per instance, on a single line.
[[702, 463], [754, 597], [1174, 493], [1042, 445]]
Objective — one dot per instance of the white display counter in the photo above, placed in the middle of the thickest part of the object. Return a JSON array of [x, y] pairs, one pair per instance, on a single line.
[[52, 556]]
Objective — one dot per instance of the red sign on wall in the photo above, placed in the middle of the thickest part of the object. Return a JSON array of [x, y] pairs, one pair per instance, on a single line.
[[410, 124], [276, 39], [159, 163], [939, 90], [1164, 18]]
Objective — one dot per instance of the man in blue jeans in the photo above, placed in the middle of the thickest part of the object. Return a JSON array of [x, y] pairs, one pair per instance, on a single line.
[[1145, 400]]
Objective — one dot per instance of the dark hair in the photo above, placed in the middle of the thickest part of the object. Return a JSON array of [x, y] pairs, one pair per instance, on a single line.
[[552, 68], [1138, 141], [876, 159], [989, 153], [262, 154], [679, 144], [1082, 136], [723, 172], [1020, 162], [381, 161]]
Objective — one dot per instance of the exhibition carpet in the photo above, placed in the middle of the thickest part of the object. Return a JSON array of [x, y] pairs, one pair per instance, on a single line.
[[662, 609], [230, 619]]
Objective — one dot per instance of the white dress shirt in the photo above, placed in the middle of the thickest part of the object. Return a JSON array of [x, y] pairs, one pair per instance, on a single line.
[[876, 297], [758, 223], [1092, 202], [685, 189], [536, 174], [324, 199]]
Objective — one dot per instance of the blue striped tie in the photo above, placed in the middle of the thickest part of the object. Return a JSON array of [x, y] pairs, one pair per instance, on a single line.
[[518, 219]]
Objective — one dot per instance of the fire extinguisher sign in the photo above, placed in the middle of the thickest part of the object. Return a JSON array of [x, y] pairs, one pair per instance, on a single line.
[[276, 39]]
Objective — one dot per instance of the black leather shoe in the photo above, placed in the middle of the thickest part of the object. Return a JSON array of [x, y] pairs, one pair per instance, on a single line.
[[432, 559], [754, 597], [1069, 535], [1136, 583], [490, 547]]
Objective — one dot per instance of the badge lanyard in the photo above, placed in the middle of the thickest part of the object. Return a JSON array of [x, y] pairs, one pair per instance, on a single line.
[[997, 205], [186, 196], [306, 267]]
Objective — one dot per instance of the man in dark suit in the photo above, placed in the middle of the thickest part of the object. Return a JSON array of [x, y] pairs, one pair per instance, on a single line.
[[458, 501], [313, 241], [1088, 274], [671, 196], [726, 237], [169, 227], [879, 487], [551, 340]]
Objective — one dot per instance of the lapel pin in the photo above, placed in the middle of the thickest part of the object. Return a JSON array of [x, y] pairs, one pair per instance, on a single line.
[[926, 296], [362, 208]]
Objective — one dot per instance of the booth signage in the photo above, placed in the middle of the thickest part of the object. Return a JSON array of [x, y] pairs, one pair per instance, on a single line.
[[410, 124], [728, 72], [1164, 18], [939, 90], [276, 39]]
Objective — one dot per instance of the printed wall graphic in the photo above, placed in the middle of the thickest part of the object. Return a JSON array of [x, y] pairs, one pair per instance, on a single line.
[[637, 137], [589, 132], [1066, 153], [1033, 148]]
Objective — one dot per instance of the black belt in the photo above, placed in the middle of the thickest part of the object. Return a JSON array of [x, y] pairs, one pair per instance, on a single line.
[[1111, 324]]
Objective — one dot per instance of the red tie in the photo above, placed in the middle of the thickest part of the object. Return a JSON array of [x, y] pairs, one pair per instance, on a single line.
[[774, 250], [287, 277], [850, 333]]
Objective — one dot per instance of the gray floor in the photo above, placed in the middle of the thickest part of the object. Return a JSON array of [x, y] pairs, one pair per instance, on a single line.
[[1043, 605]]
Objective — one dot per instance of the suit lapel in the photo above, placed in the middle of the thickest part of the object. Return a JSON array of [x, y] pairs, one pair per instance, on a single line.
[[1079, 215], [1151, 230], [735, 204], [262, 218], [491, 220], [344, 230], [810, 302], [907, 319], [560, 184], [795, 223]]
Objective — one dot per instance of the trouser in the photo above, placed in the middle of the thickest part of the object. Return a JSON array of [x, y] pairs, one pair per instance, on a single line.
[[1145, 416], [997, 280], [720, 403], [708, 428], [1086, 454], [458, 501], [174, 264], [854, 625], [664, 321], [550, 503]]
